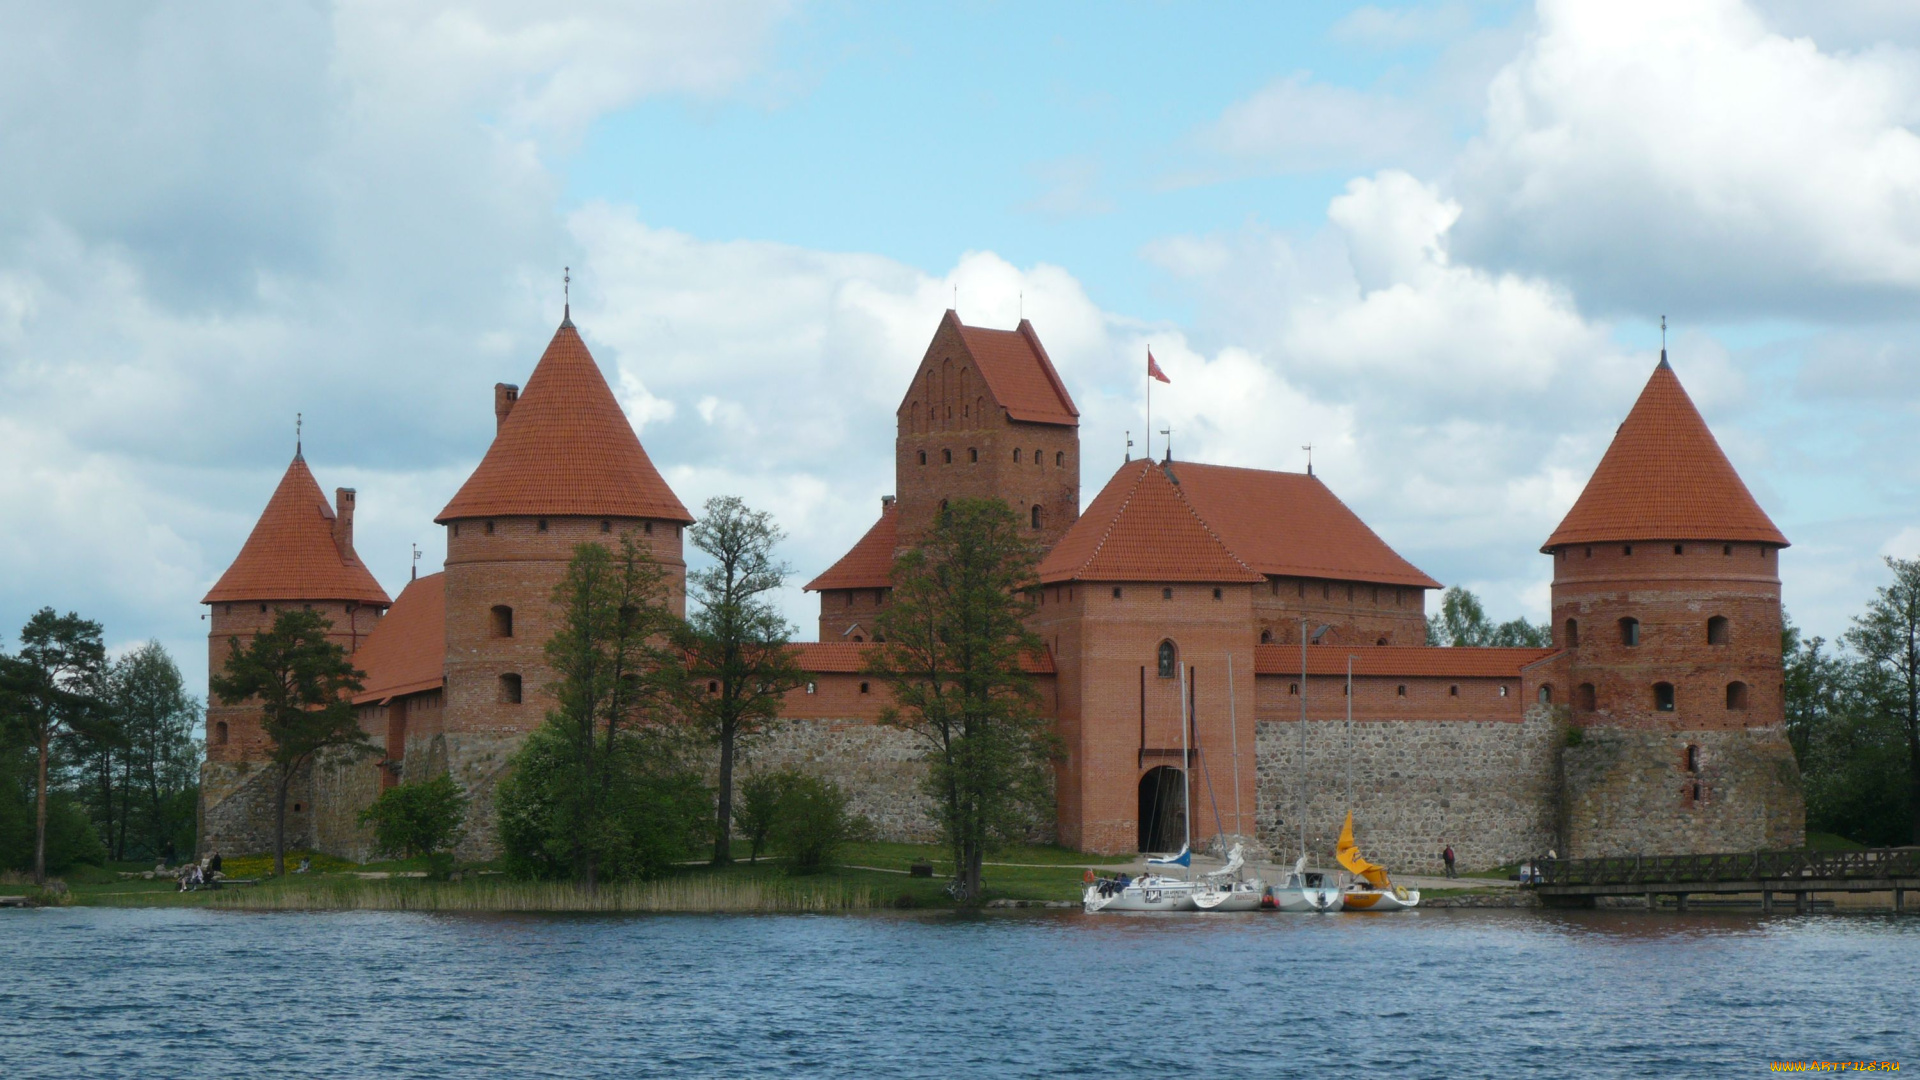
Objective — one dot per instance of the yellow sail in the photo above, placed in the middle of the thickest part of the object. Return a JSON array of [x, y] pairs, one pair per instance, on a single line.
[[1350, 857]]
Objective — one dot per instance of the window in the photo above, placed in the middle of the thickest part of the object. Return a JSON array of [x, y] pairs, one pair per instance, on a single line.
[[1169, 659], [713, 686], [1503, 691], [1726, 549], [1629, 631], [1663, 697], [1679, 549], [220, 733], [1060, 458], [1693, 759], [1583, 697], [1302, 583], [1216, 592], [1736, 695], [509, 689], [1546, 694], [1572, 637], [1628, 549], [1380, 641], [502, 621], [1400, 691], [1454, 690], [1036, 455], [947, 455], [1589, 551], [1166, 594], [229, 610], [1266, 637], [810, 688], [489, 529], [647, 527], [1016, 455], [1293, 688], [1273, 586], [606, 526], [456, 528], [263, 609], [1036, 517], [1717, 630], [1116, 592], [923, 457], [543, 524], [973, 454], [864, 688], [849, 597]]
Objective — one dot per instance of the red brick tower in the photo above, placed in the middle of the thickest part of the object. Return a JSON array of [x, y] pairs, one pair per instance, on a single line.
[[1666, 600], [565, 467], [300, 553]]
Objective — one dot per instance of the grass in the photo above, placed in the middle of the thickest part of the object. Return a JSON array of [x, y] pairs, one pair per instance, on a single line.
[[681, 892], [1826, 841]]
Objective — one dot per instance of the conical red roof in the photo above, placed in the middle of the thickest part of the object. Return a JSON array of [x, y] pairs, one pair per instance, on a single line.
[[1664, 478], [291, 553], [566, 449]]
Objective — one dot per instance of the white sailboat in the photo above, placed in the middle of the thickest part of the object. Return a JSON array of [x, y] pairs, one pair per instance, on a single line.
[[1304, 890]]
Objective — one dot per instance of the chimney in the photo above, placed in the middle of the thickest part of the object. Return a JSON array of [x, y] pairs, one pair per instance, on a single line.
[[886, 503], [504, 395], [343, 521]]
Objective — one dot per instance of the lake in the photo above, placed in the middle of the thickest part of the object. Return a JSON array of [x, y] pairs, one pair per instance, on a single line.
[[102, 992]]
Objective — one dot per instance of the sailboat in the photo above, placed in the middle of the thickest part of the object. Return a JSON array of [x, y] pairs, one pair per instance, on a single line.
[[1371, 890], [1304, 890]]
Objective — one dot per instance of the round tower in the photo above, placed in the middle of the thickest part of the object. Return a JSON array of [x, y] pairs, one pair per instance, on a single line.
[[565, 468], [1666, 601], [299, 555]]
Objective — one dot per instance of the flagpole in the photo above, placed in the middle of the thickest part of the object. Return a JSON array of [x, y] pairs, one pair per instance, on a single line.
[[1149, 403]]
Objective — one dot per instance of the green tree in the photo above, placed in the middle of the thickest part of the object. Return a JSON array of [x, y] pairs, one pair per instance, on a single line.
[[162, 758], [54, 684], [759, 807], [418, 819], [812, 824], [956, 635], [739, 666], [1887, 639], [1462, 621], [596, 792], [303, 684]]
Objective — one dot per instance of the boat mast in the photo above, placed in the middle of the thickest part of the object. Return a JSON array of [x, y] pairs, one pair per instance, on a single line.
[[1300, 766], [1349, 733], [1233, 732], [1186, 776]]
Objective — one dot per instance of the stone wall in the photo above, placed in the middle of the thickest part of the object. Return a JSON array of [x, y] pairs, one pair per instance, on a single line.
[[1638, 791], [879, 767], [237, 808], [1487, 787]]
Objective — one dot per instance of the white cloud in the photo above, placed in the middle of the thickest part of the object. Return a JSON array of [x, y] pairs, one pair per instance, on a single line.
[[1295, 124], [1399, 28]]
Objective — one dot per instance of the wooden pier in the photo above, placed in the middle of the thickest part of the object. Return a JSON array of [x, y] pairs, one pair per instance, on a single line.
[[1798, 874]]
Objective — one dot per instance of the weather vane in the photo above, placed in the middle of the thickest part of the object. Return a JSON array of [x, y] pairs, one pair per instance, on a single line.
[[1309, 449], [296, 434], [1129, 445], [414, 572], [1663, 333], [1168, 432]]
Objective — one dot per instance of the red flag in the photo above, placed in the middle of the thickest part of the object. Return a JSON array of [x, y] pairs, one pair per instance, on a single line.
[[1153, 369]]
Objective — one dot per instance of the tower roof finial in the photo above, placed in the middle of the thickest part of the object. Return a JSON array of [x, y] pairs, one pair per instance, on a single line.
[[1663, 341], [296, 437], [566, 297]]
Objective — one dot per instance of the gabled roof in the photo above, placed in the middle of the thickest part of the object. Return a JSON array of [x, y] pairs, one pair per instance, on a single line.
[[1017, 371], [566, 449], [1141, 527], [407, 652], [292, 555], [1233, 525], [1412, 660], [869, 564], [1664, 478]]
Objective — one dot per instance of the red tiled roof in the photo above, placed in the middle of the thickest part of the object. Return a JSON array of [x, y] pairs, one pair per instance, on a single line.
[[869, 564], [1018, 373], [566, 448], [1664, 478], [1181, 521], [1412, 660], [407, 652], [1141, 527], [1292, 524], [851, 658], [291, 554]]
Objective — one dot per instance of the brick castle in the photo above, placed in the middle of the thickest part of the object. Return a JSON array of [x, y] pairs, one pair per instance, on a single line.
[[1654, 723]]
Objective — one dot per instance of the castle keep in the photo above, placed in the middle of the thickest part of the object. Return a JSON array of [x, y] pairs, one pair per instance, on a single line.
[[1654, 723]]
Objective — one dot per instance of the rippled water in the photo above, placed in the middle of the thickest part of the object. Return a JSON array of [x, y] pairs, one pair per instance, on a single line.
[[103, 992]]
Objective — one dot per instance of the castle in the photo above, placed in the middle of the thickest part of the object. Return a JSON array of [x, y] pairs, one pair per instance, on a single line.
[[1654, 723]]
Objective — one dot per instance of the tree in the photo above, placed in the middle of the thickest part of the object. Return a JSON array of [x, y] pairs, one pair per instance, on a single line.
[[419, 819], [303, 684], [1462, 621], [596, 792], [956, 635], [161, 777], [54, 684], [1887, 638], [738, 664], [812, 824], [759, 807]]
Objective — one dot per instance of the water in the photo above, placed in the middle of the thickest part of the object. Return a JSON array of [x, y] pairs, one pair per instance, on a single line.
[[144, 993]]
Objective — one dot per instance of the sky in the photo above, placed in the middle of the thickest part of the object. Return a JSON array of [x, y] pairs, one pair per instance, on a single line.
[[1433, 241]]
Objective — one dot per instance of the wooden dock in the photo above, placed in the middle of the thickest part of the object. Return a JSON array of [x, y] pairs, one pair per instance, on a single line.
[[1798, 874]]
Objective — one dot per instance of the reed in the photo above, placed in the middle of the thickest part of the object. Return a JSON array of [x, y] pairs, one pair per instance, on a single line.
[[688, 893]]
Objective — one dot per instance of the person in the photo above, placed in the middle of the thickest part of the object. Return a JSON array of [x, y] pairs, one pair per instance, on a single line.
[[1088, 877], [306, 865], [1448, 856], [191, 878], [213, 865]]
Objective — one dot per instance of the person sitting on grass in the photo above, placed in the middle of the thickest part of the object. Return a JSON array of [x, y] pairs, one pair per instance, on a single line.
[[191, 878], [213, 866], [306, 865]]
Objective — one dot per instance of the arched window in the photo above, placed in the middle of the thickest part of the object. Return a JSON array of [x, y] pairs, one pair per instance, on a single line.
[[973, 454], [1216, 592], [1693, 759], [1266, 637], [1717, 630], [1381, 641], [1037, 455], [1546, 694], [865, 688], [1572, 637], [923, 457], [1583, 697], [1016, 455], [220, 733], [1453, 690], [1663, 697], [502, 621], [1166, 594], [1293, 688], [1169, 660], [1060, 458], [509, 689], [1629, 631], [1736, 695], [947, 456], [1036, 517]]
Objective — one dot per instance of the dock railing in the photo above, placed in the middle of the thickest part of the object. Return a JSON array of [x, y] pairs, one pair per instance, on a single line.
[[1784, 871]]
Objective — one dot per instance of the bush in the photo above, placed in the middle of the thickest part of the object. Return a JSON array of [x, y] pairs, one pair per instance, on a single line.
[[812, 823], [650, 814], [758, 807], [413, 820]]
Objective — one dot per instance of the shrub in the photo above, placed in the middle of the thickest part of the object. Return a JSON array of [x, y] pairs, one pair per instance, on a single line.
[[758, 807], [413, 820], [812, 824]]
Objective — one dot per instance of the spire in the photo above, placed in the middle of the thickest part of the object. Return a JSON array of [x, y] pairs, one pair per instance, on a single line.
[[1663, 341], [294, 553], [566, 298], [1665, 478], [566, 448], [297, 456]]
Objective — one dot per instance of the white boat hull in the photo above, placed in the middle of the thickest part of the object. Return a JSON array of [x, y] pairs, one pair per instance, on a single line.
[[1237, 896], [1149, 894], [1304, 899], [1395, 899]]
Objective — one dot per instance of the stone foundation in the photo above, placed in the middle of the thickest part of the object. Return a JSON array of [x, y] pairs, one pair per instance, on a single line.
[[237, 808], [1631, 792], [879, 767]]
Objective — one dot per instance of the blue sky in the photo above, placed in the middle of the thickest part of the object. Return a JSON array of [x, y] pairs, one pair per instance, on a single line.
[[1434, 240]]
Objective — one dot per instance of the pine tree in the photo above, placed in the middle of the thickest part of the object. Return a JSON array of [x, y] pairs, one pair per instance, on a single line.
[[55, 684]]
